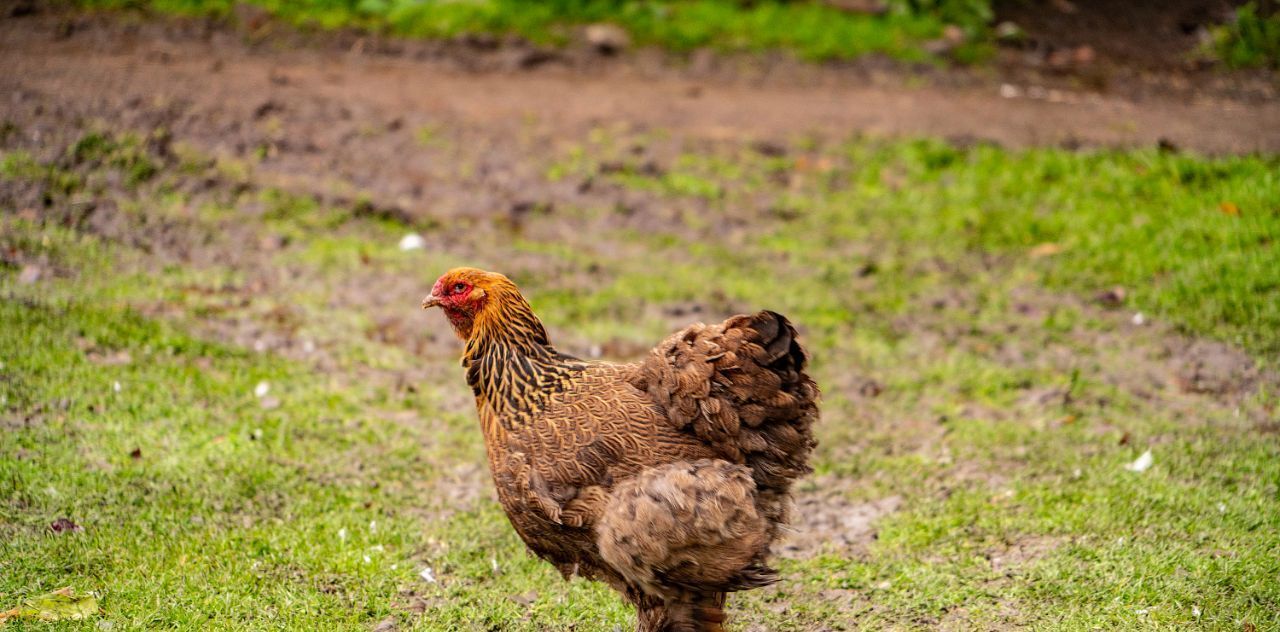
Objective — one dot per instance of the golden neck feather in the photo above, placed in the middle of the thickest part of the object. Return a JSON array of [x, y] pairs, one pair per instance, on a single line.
[[510, 362]]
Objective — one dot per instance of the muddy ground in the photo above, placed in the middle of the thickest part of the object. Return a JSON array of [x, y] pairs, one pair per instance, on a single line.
[[214, 85]]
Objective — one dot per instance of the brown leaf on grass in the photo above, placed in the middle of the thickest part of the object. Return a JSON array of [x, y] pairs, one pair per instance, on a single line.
[[818, 164], [64, 525], [1047, 249], [59, 605], [1113, 297], [1229, 208], [117, 358]]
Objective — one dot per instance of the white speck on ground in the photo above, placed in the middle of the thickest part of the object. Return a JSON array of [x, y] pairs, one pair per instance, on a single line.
[[1142, 463], [412, 241]]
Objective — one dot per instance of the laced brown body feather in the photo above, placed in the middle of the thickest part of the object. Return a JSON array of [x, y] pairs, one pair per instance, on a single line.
[[667, 478]]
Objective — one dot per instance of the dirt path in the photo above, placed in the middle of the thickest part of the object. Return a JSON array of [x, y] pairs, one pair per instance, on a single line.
[[217, 80]]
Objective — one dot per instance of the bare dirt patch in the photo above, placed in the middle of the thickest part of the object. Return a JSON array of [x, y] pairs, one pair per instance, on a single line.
[[1009, 558], [826, 520]]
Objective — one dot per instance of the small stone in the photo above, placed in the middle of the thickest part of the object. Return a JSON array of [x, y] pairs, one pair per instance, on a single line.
[[30, 274], [1084, 55], [607, 39], [953, 34], [1008, 31]]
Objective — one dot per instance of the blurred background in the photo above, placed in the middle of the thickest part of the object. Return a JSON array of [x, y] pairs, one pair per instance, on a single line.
[[1032, 246]]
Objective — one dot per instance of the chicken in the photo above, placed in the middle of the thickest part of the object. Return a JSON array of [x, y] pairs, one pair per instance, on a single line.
[[667, 478]]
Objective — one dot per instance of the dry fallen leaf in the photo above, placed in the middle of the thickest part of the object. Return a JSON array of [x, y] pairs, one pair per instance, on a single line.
[[1047, 249], [1113, 297], [64, 525], [59, 605]]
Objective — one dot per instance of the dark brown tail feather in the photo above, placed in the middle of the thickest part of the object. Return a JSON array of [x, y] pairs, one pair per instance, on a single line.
[[740, 386]]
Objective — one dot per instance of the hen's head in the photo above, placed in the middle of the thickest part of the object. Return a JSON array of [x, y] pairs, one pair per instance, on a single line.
[[470, 296]]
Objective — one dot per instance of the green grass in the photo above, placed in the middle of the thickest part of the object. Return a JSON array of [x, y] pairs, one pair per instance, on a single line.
[[811, 30], [1250, 39], [1191, 239], [239, 517], [906, 262]]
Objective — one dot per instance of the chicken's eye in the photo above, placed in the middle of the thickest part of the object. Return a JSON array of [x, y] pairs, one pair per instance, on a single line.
[[459, 287]]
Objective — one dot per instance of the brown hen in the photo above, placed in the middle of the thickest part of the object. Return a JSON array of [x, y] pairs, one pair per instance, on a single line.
[[667, 478]]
